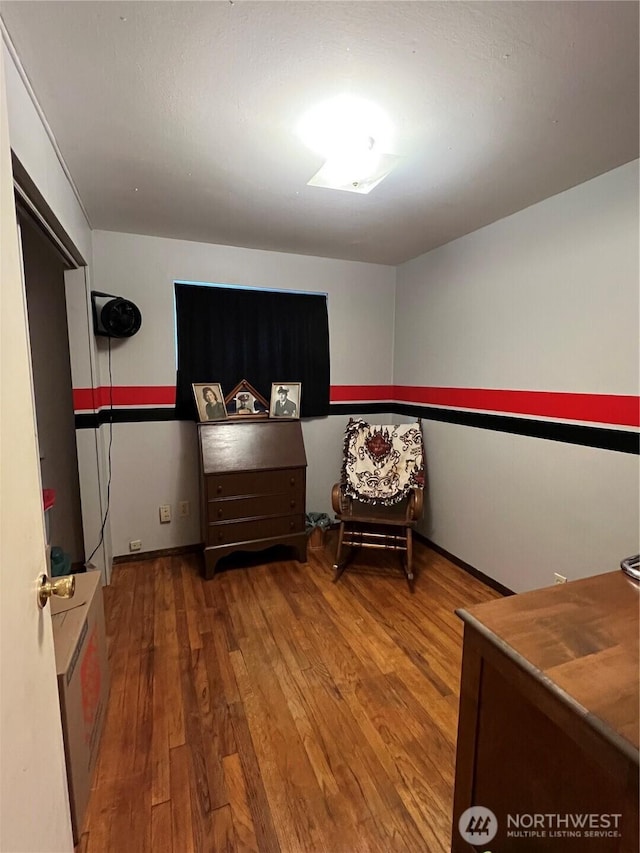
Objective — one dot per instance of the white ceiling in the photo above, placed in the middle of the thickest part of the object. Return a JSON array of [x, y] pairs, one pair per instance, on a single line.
[[177, 118]]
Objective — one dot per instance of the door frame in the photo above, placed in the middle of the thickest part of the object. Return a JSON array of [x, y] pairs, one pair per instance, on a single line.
[[90, 443]]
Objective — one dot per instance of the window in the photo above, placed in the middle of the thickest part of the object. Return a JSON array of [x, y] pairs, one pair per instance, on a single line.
[[226, 334]]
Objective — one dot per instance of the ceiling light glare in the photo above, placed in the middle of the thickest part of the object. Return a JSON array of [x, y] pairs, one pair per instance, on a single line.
[[337, 174], [351, 167], [346, 126]]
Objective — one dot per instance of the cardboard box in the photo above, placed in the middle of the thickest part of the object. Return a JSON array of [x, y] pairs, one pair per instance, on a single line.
[[83, 684]]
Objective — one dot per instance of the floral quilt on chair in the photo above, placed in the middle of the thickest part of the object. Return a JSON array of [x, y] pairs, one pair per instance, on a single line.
[[382, 463]]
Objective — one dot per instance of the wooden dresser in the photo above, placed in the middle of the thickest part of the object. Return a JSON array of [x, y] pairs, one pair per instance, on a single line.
[[548, 728], [253, 487]]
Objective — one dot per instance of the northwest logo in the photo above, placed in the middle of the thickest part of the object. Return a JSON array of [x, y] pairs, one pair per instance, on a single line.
[[477, 825]]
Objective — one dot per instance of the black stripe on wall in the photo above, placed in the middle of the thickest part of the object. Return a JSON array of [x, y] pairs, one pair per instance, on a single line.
[[363, 408], [604, 438], [587, 436], [94, 420]]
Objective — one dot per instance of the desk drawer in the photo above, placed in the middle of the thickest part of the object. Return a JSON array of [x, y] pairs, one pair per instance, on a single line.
[[226, 533], [232, 509], [254, 483]]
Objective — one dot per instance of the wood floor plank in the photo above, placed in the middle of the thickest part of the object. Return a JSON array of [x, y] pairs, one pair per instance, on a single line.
[[229, 608], [216, 689], [303, 719], [443, 710], [173, 696], [122, 652], [121, 827], [127, 734], [206, 784], [290, 785], [160, 765], [193, 612], [220, 612], [182, 820], [285, 626], [146, 677], [270, 710], [244, 831], [405, 639], [227, 688], [359, 770], [327, 651], [161, 831], [261, 814], [418, 773], [369, 641], [338, 782], [425, 725], [223, 840]]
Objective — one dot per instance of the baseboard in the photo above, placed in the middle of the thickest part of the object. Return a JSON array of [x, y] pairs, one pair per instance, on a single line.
[[471, 570], [139, 556]]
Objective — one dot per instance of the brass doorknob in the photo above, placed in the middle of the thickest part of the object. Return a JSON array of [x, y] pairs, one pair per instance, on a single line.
[[63, 587]]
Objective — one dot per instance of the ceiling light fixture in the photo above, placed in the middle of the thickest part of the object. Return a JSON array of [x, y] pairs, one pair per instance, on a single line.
[[355, 137]]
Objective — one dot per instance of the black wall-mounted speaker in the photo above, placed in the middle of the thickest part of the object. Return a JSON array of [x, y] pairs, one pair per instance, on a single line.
[[114, 316]]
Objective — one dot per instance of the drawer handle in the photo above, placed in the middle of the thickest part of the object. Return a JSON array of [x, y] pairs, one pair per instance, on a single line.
[[292, 524], [219, 490], [292, 481], [220, 537], [292, 504], [219, 513]]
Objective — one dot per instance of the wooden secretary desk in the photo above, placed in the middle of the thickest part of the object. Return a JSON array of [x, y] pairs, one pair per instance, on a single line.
[[252, 487]]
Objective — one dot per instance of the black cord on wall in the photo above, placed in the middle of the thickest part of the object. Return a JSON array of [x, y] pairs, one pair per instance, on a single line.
[[106, 512]]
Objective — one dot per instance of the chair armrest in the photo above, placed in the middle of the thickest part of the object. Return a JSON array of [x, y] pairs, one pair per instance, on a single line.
[[339, 501], [416, 504]]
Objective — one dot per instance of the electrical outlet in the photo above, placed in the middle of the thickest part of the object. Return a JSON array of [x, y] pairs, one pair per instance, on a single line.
[[559, 578], [165, 513], [135, 545], [184, 509]]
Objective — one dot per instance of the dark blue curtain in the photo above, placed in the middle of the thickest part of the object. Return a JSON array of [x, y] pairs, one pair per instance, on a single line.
[[228, 334]]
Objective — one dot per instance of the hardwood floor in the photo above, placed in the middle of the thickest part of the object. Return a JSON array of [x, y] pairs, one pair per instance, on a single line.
[[269, 709]]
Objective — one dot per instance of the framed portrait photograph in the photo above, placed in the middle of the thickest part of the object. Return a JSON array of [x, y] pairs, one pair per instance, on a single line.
[[244, 401], [209, 401], [285, 400]]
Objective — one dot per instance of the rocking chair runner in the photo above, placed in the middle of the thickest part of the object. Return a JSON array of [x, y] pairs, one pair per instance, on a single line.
[[380, 497]]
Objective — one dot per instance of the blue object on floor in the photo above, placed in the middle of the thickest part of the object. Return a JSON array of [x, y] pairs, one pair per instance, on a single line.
[[60, 562]]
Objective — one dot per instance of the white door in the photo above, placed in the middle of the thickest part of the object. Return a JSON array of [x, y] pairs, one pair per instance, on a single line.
[[34, 805]]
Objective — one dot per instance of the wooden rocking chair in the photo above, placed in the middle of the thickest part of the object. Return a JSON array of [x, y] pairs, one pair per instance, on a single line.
[[379, 499]]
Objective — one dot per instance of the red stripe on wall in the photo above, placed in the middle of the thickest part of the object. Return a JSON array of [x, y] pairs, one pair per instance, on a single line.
[[123, 395], [620, 409], [359, 393]]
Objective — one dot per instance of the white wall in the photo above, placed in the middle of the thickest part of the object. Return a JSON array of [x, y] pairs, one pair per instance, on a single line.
[[32, 142], [546, 300], [156, 463]]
